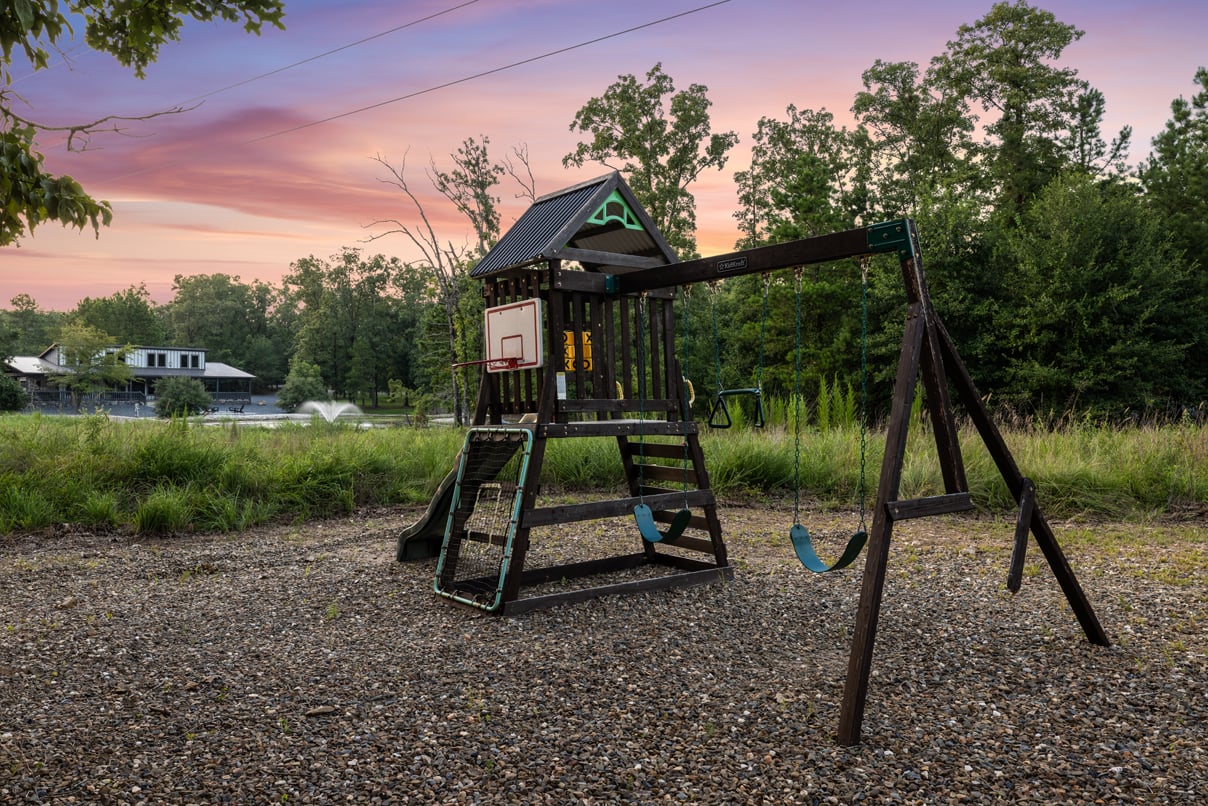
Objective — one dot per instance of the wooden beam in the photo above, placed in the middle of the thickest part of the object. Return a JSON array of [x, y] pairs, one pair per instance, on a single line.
[[614, 508], [931, 505], [617, 428], [824, 248], [681, 580], [608, 259], [1023, 523]]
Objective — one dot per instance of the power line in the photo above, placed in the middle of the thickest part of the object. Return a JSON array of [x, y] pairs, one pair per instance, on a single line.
[[316, 57], [327, 53], [452, 83], [484, 73]]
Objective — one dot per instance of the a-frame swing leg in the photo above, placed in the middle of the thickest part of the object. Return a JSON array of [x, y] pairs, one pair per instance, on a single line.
[[1019, 487], [860, 661], [926, 342]]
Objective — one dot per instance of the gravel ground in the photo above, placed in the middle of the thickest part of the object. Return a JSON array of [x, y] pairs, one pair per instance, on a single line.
[[302, 664]]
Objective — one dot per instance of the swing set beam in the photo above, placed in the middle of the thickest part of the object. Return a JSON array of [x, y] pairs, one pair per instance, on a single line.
[[928, 355], [889, 237]]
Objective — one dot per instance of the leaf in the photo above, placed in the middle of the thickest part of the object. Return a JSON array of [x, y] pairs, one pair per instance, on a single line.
[[25, 13]]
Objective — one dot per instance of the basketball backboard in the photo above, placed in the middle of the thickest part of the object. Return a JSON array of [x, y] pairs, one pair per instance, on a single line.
[[513, 336]]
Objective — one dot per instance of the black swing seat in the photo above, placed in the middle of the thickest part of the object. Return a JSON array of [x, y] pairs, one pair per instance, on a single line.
[[719, 414]]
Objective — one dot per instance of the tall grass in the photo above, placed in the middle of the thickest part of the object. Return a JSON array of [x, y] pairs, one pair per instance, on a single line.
[[156, 477]]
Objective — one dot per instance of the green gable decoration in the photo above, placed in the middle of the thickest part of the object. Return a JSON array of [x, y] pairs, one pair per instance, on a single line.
[[614, 208]]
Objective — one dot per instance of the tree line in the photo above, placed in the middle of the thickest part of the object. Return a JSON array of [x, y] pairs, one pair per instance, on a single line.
[[1071, 280]]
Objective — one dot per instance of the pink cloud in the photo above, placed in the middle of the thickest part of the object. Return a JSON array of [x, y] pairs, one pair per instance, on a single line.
[[201, 192]]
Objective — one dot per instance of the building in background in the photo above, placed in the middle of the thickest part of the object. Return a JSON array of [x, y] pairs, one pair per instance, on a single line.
[[226, 384]]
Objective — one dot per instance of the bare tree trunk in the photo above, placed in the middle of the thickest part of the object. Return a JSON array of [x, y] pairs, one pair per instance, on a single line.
[[468, 187]]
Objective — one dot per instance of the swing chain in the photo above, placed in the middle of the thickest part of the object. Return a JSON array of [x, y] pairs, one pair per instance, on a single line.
[[763, 329], [712, 286], [797, 404], [862, 489], [641, 390], [685, 401], [690, 391]]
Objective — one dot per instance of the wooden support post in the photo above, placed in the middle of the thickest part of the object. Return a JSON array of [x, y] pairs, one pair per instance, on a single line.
[[859, 664], [1023, 523], [943, 423]]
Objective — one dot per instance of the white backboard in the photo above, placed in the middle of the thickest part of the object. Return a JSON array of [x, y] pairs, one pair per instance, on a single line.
[[513, 336]]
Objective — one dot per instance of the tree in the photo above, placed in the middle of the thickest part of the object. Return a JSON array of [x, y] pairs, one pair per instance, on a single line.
[[965, 148], [1103, 317], [1175, 176], [12, 396], [1006, 62], [180, 397], [661, 139], [304, 382], [8, 338], [913, 138], [345, 305], [468, 188], [127, 316], [89, 362], [234, 321], [1084, 146], [133, 34], [30, 327], [796, 186], [469, 185]]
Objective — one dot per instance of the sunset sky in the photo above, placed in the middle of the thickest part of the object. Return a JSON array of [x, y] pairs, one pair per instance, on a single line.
[[244, 184]]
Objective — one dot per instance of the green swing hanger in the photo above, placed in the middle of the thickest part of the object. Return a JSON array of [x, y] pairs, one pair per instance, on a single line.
[[643, 517], [803, 544], [719, 413]]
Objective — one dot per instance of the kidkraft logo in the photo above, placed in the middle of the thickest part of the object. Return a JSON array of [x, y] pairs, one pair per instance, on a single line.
[[731, 264]]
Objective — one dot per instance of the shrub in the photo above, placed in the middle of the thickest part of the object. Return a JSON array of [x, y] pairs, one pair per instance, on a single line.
[[12, 396], [304, 382], [180, 397]]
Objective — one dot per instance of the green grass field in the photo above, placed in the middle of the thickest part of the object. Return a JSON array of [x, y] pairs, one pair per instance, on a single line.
[[163, 477]]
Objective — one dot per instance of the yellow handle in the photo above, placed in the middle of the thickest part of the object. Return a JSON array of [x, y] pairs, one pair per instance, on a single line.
[[691, 393]]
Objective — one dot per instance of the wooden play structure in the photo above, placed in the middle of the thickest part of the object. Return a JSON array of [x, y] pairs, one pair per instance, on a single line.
[[580, 342]]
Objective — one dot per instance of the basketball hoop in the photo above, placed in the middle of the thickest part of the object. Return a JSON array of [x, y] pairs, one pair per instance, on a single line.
[[495, 364]]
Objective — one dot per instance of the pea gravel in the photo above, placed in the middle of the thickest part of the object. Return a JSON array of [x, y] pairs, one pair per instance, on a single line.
[[301, 664]]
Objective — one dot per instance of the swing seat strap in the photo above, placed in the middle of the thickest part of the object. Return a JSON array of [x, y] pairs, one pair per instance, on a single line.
[[804, 546], [644, 518]]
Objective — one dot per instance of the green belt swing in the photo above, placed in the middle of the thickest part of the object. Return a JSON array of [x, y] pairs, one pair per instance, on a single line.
[[803, 544], [643, 517], [650, 532]]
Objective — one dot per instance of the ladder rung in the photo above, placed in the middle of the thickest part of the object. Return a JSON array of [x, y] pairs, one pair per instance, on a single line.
[[617, 507], [619, 428], [664, 473], [659, 450]]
